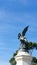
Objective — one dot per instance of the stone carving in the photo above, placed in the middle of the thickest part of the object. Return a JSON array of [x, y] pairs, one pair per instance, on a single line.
[[22, 38]]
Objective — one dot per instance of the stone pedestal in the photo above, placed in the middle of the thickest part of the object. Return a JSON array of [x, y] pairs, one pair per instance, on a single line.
[[23, 58]]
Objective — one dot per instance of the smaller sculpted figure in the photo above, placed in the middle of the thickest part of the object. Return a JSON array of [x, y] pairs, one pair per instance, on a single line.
[[22, 38]]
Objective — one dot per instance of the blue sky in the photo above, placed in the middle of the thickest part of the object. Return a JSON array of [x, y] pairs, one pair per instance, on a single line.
[[14, 16]]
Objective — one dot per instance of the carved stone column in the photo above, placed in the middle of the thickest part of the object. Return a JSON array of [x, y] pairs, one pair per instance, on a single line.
[[23, 58]]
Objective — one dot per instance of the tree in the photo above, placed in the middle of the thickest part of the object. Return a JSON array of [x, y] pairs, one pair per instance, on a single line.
[[30, 46], [12, 60]]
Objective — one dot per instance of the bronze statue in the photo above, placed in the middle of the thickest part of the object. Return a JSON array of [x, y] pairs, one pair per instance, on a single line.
[[23, 39]]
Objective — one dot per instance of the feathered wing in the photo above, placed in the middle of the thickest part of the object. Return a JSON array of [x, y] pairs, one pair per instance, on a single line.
[[25, 30]]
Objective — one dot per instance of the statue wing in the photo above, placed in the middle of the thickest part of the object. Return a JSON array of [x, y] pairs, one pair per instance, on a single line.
[[25, 30]]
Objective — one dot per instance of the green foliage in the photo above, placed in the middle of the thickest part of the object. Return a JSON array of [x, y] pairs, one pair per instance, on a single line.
[[34, 64], [12, 60], [29, 46], [34, 60]]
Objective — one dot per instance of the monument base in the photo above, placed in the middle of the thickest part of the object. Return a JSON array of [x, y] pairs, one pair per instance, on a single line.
[[23, 58]]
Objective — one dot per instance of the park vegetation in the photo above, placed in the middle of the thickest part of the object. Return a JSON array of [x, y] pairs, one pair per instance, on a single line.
[[30, 46]]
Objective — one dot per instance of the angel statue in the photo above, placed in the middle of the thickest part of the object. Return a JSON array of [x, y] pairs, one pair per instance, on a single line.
[[22, 38]]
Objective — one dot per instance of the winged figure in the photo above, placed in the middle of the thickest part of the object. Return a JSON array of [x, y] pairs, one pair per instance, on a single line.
[[23, 40], [22, 37]]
